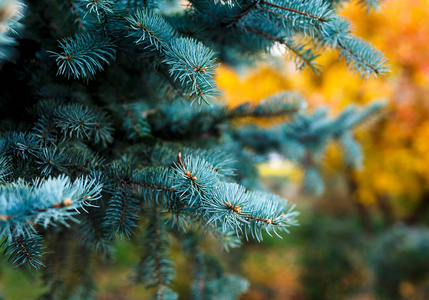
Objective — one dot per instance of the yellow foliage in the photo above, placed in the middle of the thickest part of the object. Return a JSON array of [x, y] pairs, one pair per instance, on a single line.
[[283, 169], [252, 88]]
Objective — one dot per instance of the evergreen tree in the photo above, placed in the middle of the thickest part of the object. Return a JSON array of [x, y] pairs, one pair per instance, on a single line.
[[110, 130]]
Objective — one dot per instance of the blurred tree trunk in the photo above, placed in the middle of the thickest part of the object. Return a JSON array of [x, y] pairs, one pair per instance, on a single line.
[[362, 210], [383, 202], [420, 211]]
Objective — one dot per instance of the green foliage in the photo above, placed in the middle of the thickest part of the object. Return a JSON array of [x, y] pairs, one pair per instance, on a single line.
[[32, 256], [146, 24], [331, 258], [122, 213], [84, 55], [399, 255], [307, 136], [45, 202], [155, 269], [114, 148], [193, 65], [359, 54]]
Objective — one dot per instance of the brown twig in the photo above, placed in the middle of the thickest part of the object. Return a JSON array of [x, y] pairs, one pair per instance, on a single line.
[[170, 80], [245, 13], [237, 209], [293, 10], [94, 226], [127, 109], [358, 57], [79, 22], [281, 41]]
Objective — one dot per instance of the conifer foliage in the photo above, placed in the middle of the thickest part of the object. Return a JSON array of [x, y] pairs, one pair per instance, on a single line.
[[110, 130]]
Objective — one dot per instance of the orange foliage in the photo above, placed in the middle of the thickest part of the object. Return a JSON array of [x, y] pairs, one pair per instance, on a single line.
[[396, 148]]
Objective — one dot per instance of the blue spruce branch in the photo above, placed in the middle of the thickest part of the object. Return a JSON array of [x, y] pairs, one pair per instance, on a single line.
[[84, 55]]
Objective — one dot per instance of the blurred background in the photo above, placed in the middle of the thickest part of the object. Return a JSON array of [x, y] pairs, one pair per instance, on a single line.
[[367, 236]]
